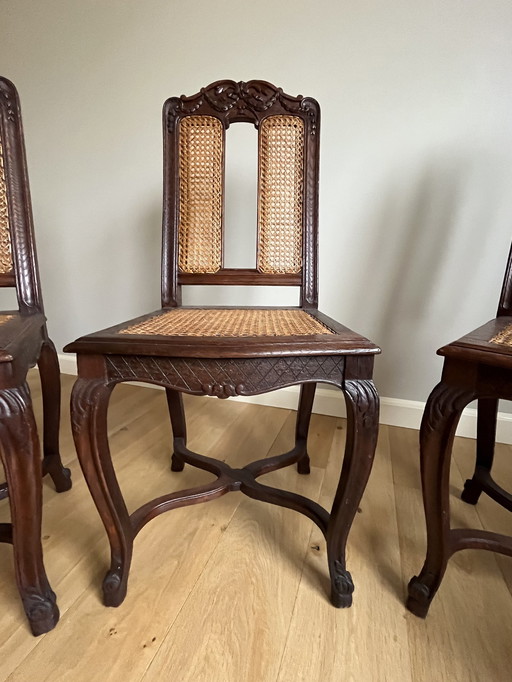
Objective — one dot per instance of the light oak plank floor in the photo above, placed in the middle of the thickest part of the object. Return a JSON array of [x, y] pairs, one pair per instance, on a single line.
[[236, 590]]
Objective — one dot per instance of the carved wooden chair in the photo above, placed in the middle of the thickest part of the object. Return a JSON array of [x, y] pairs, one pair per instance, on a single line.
[[24, 342], [476, 367], [227, 352]]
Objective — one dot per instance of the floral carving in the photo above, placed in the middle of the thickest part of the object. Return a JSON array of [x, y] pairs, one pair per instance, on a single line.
[[226, 390], [234, 101]]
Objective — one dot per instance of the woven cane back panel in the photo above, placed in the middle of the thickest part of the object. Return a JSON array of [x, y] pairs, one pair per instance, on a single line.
[[281, 176], [230, 323], [201, 164], [5, 236]]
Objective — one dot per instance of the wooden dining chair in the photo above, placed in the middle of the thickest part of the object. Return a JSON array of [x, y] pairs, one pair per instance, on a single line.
[[476, 367], [24, 342], [226, 352]]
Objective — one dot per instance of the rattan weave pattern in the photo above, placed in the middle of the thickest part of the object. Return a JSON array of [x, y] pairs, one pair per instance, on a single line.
[[504, 336], [281, 177], [201, 167], [5, 236], [229, 323]]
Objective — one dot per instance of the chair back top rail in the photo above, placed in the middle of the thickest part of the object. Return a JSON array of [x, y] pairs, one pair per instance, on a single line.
[[18, 260], [194, 131]]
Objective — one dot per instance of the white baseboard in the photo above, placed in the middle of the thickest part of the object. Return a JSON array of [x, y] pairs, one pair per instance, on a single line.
[[393, 411]]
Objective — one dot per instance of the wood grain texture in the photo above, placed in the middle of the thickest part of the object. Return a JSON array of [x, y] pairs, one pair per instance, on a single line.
[[276, 623], [24, 342]]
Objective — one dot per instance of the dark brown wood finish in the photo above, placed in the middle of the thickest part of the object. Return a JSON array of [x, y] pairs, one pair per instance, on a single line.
[[229, 366], [24, 342], [474, 369], [232, 102]]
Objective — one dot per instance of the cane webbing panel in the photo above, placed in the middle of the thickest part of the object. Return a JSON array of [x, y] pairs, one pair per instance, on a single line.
[[5, 237], [281, 176], [201, 164], [504, 337], [233, 323]]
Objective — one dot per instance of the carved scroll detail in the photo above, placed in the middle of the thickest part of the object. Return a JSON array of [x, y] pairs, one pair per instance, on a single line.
[[13, 402], [365, 398], [232, 100], [342, 580], [226, 390], [83, 398], [40, 609], [112, 582], [443, 402]]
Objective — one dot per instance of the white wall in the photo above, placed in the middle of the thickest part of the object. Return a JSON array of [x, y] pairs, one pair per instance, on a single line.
[[416, 172]]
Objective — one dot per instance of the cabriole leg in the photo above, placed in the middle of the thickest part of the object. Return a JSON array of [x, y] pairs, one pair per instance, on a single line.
[[442, 413], [178, 423], [307, 395], [19, 447], [49, 373], [362, 403], [89, 403], [485, 440]]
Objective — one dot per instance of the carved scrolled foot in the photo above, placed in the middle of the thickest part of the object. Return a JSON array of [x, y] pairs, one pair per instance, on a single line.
[[177, 464], [420, 597], [42, 611], [114, 588], [472, 491], [342, 586]]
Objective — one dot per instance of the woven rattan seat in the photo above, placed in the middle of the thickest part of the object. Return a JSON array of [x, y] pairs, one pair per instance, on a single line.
[[24, 342], [236, 322], [228, 352], [503, 337]]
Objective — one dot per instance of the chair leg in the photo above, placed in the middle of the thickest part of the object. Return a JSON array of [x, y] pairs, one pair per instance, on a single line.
[[442, 413], [21, 459], [362, 403], [307, 395], [50, 387], [485, 439], [89, 403], [178, 423]]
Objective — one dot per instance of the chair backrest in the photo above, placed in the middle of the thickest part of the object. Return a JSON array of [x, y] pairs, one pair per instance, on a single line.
[[194, 163], [18, 262]]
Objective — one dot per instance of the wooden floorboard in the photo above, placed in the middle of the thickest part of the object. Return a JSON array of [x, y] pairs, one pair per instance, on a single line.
[[236, 590]]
